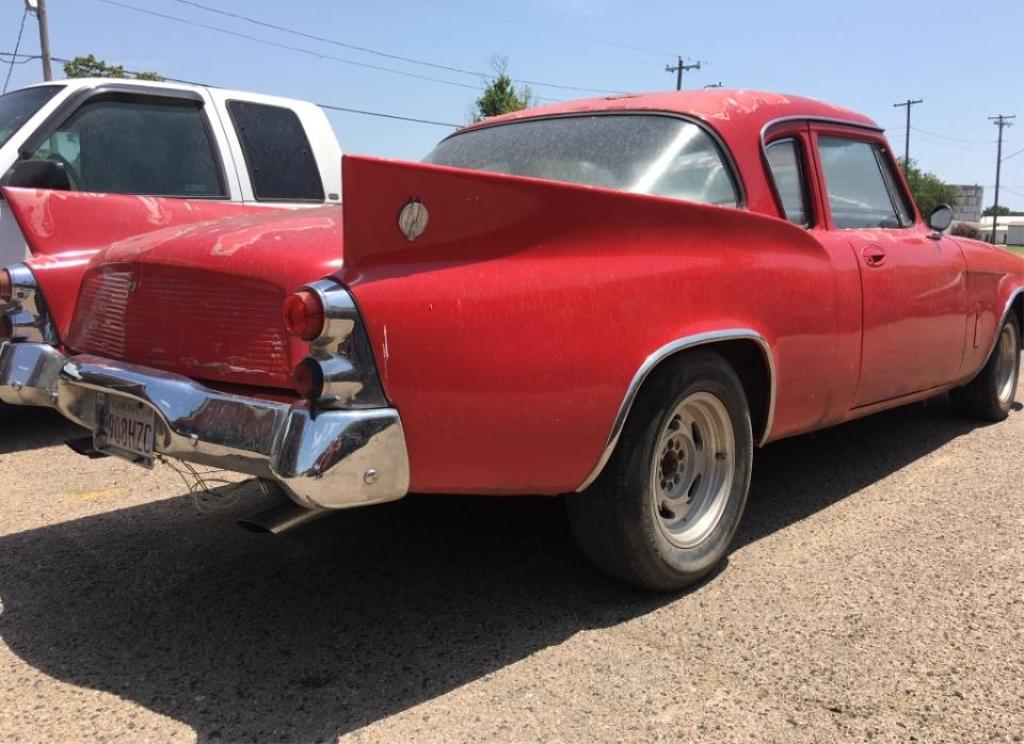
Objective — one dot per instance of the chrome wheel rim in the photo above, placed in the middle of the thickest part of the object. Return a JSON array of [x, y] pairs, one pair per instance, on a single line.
[[693, 469], [1006, 364]]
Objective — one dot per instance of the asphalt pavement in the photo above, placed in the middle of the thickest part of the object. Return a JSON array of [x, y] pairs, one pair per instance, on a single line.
[[875, 591]]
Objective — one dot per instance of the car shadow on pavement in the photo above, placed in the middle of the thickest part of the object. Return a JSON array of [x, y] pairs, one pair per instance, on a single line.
[[366, 613], [28, 427]]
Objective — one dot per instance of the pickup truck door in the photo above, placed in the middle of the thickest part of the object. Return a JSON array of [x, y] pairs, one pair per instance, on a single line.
[[914, 285]]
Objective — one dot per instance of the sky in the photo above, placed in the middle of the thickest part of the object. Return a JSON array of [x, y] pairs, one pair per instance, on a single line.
[[965, 59]]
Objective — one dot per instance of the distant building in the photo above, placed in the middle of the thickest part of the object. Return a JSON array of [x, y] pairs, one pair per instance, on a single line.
[[969, 203], [1009, 230]]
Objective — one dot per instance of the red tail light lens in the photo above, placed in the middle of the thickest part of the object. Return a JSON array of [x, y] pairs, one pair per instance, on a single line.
[[6, 286], [304, 315], [308, 379], [6, 329]]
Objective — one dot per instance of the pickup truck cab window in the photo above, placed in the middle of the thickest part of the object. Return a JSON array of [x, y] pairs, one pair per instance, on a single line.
[[18, 107], [158, 147], [644, 154], [277, 153], [861, 189], [786, 166]]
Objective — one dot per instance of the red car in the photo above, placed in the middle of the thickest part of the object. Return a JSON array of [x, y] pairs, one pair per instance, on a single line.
[[615, 299]]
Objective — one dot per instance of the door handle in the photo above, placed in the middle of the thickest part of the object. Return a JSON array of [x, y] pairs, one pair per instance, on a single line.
[[874, 256]]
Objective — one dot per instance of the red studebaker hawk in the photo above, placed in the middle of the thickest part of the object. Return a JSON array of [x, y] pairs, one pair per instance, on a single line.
[[615, 299]]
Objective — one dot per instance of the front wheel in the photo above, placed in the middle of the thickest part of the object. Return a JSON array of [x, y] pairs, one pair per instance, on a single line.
[[990, 395], [666, 507]]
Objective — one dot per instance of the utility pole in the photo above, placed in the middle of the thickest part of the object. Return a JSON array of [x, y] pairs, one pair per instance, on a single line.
[[906, 146], [39, 8], [1002, 122], [679, 68]]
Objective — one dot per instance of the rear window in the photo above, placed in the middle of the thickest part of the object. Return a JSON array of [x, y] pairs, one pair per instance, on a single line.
[[277, 153], [18, 107], [639, 153]]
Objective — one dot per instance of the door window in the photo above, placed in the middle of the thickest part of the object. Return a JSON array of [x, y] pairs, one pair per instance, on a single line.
[[786, 167], [277, 153], [861, 189], [156, 148]]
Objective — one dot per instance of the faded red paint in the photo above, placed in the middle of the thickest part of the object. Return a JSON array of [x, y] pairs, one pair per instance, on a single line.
[[508, 333], [64, 230]]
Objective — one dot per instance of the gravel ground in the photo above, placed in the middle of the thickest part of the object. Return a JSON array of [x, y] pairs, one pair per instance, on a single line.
[[876, 591]]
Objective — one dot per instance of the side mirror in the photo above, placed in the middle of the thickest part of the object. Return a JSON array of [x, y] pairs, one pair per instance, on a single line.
[[38, 174], [940, 218]]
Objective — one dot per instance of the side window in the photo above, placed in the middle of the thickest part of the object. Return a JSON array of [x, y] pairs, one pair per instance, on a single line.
[[119, 146], [861, 190], [277, 153], [786, 167]]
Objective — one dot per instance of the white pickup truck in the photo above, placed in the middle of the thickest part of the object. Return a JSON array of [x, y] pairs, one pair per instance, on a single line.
[[164, 139]]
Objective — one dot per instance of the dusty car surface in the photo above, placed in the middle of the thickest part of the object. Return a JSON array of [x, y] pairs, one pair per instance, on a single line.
[[616, 299]]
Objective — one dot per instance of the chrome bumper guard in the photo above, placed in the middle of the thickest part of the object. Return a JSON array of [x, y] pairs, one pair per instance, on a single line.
[[330, 459]]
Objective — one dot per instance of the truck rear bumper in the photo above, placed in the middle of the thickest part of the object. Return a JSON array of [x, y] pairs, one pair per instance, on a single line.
[[330, 459]]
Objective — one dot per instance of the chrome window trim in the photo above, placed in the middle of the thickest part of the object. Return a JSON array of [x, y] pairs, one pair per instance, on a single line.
[[735, 174], [816, 119], [652, 361]]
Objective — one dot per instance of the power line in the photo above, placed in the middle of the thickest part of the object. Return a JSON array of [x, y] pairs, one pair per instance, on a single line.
[[17, 45], [332, 107], [379, 53], [559, 29], [289, 47], [954, 139], [1013, 154]]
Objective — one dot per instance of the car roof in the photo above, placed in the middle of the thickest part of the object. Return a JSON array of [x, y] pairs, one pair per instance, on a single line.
[[731, 112]]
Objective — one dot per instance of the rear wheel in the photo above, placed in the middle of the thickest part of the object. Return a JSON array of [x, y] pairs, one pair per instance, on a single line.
[[990, 395], [667, 505]]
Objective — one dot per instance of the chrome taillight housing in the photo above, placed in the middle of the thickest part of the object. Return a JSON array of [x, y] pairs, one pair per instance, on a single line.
[[25, 317], [340, 370]]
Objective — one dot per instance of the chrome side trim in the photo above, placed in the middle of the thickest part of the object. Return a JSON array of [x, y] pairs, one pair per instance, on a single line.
[[669, 349], [343, 352], [1006, 314], [30, 320]]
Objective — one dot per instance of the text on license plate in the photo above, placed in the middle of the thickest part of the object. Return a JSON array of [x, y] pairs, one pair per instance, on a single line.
[[126, 425]]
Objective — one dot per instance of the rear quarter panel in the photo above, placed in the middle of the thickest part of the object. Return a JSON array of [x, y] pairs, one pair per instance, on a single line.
[[508, 333], [994, 277]]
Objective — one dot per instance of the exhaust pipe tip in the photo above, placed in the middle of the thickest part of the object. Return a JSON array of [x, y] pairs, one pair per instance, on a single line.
[[280, 518]]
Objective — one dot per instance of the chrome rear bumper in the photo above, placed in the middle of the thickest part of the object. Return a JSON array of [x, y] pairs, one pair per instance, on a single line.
[[331, 459]]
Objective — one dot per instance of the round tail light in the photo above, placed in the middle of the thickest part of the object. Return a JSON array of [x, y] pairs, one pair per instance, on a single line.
[[308, 379], [6, 286], [303, 315]]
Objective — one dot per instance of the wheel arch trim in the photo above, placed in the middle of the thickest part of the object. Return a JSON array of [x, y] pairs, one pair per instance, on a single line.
[[668, 351]]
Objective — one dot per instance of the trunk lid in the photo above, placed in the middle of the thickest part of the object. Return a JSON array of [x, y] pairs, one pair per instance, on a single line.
[[205, 300]]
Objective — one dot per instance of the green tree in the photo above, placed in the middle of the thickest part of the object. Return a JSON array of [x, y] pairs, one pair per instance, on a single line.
[[89, 66], [500, 95], [1003, 211], [929, 190]]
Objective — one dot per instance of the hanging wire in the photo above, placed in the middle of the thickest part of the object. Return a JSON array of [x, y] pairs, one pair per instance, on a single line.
[[209, 493], [17, 45]]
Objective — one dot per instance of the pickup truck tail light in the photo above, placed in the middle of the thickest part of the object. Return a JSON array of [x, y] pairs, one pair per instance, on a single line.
[[6, 287], [303, 315]]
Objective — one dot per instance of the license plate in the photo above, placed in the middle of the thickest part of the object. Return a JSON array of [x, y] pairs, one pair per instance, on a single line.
[[126, 429]]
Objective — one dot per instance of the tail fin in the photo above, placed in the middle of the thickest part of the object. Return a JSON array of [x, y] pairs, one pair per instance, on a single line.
[[60, 221]]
